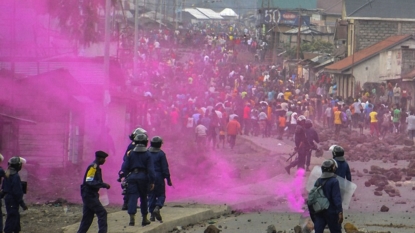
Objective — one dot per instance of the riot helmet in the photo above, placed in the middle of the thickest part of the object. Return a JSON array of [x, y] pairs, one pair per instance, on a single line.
[[156, 142], [141, 139], [308, 124], [338, 152], [301, 120], [136, 132], [328, 166], [16, 163]]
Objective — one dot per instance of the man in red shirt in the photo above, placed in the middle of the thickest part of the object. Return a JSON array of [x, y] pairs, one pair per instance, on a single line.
[[247, 118], [233, 128]]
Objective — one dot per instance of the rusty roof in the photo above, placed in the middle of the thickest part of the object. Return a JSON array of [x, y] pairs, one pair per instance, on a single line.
[[367, 53]]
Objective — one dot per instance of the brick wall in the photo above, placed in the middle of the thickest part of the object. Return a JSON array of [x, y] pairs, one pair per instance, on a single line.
[[369, 32]]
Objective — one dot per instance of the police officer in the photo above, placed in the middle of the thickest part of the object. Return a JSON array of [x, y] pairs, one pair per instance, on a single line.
[[312, 137], [124, 183], [139, 166], [13, 190], [157, 197], [302, 145], [333, 216], [343, 169], [89, 191]]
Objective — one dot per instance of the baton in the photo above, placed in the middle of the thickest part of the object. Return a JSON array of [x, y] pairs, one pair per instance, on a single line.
[[291, 156]]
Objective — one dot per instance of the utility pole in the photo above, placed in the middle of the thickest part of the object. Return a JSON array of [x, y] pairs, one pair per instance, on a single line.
[[135, 60], [299, 35], [107, 52]]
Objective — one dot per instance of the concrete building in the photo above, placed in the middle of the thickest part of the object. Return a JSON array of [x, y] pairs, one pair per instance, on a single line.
[[386, 61], [370, 22]]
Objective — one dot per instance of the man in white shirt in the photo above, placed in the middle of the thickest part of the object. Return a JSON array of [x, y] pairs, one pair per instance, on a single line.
[[201, 132]]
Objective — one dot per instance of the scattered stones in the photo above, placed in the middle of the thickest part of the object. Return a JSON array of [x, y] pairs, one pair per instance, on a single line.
[[378, 193], [271, 229], [297, 229], [384, 209], [212, 229], [350, 228]]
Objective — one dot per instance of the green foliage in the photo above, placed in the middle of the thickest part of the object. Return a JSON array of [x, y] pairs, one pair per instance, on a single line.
[[79, 19], [317, 46]]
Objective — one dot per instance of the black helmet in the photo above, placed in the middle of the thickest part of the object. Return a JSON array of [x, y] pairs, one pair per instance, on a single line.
[[156, 142], [141, 139], [308, 123], [337, 151], [16, 163], [328, 166], [136, 132]]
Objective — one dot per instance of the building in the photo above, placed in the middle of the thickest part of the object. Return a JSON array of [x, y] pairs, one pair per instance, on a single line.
[[370, 22], [386, 61]]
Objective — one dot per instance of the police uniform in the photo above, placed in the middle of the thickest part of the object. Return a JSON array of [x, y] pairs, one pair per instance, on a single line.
[[13, 198], [2, 176], [89, 192], [330, 217], [312, 136], [302, 145], [157, 197], [140, 169], [343, 169]]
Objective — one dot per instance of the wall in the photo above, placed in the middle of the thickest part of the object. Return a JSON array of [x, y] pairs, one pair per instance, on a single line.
[[390, 64], [367, 71], [369, 32]]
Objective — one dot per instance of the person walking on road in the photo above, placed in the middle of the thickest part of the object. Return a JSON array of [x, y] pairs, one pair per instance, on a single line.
[[233, 128], [343, 169]]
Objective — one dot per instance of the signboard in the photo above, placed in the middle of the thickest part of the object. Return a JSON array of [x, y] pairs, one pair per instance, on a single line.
[[276, 16]]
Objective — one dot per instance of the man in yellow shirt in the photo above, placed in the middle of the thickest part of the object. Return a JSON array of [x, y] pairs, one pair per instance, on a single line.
[[287, 94], [374, 127], [337, 122]]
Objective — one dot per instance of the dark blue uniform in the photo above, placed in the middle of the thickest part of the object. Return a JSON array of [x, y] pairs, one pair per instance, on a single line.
[[13, 191], [312, 137], [130, 147], [140, 169], [90, 198], [343, 170], [157, 197], [2, 175], [330, 217]]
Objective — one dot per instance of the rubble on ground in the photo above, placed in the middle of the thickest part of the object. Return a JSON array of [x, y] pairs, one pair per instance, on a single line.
[[364, 147]]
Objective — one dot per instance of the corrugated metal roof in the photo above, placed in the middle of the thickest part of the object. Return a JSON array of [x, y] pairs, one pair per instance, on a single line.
[[367, 53], [402, 9], [209, 13], [292, 4], [195, 13]]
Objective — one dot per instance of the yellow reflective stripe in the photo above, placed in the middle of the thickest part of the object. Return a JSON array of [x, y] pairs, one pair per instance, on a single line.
[[91, 174]]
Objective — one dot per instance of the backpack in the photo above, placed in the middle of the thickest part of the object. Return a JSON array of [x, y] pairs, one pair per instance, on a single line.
[[316, 201]]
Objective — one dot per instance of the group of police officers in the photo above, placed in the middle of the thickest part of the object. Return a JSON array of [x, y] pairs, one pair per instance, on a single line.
[[142, 175], [144, 171]]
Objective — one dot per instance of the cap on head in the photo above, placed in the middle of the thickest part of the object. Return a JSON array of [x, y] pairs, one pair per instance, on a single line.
[[101, 154]]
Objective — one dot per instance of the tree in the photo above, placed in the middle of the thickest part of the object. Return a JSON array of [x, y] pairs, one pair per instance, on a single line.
[[79, 19], [317, 46]]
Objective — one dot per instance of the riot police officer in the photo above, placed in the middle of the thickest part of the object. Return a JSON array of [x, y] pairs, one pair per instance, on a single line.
[[139, 166], [343, 169], [312, 137], [157, 197], [13, 190], [302, 145], [124, 183], [89, 191]]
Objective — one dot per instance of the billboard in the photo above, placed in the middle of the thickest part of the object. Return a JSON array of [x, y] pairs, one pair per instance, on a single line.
[[276, 16]]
